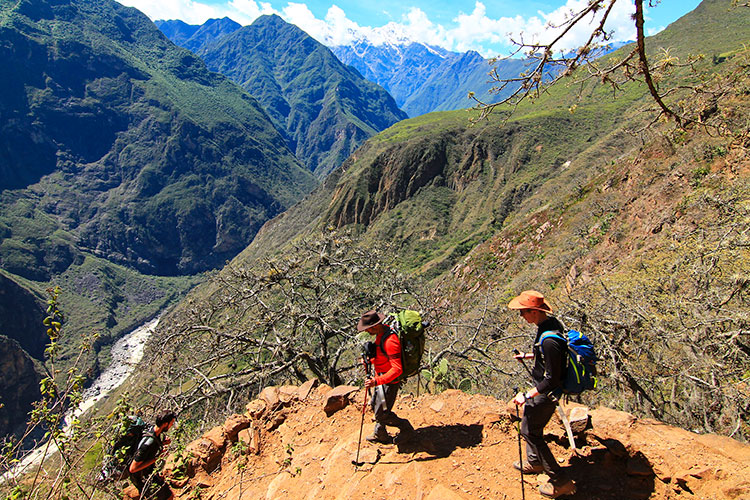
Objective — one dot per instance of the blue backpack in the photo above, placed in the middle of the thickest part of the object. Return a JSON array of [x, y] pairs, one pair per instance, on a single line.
[[580, 372]]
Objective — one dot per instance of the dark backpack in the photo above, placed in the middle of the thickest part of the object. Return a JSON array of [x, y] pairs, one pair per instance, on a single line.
[[410, 329], [117, 460], [580, 370]]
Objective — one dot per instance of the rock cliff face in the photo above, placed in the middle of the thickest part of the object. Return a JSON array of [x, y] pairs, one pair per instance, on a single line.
[[288, 446], [21, 316], [19, 378]]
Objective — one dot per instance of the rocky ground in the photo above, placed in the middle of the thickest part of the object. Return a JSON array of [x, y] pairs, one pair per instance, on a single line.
[[287, 447]]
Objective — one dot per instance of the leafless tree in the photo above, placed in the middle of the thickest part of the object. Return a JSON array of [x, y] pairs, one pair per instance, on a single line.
[[551, 63]]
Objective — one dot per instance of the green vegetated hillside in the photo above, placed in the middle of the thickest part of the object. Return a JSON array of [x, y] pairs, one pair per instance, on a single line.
[[637, 233], [324, 108], [117, 142], [127, 168]]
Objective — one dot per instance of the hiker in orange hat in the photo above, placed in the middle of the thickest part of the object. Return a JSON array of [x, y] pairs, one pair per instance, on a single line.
[[388, 367], [540, 402]]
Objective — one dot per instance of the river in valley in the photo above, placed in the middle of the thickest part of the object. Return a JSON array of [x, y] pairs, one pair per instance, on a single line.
[[126, 354]]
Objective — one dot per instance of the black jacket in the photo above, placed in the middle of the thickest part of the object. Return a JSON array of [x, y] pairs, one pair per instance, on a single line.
[[549, 358]]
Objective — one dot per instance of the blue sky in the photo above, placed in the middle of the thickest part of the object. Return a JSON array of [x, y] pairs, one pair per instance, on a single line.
[[458, 25]]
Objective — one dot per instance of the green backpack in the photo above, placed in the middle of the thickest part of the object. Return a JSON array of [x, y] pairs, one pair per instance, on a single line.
[[410, 329]]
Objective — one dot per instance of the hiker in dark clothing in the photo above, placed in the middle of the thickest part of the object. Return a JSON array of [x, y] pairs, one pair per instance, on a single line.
[[388, 368], [541, 400], [149, 483]]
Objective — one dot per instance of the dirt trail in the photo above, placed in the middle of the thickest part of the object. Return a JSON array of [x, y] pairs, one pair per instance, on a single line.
[[464, 447]]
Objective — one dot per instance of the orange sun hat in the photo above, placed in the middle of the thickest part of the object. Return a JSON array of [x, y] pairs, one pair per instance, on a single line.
[[530, 299]]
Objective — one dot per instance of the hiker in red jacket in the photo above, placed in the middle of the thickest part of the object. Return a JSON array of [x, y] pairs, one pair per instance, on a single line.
[[385, 384], [539, 402]]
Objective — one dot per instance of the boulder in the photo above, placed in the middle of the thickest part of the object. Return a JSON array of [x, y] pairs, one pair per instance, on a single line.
[[206, 452], [251, 438], [288, 394], [217, 435], [234, 424], [271, 396], [579, 419], [276, 420], [338, 398], [305, 389], [256, 408]]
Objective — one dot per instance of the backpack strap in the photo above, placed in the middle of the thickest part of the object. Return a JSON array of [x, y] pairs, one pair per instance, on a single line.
[[383, 339], [557, 335], [393, 327], [551, 333]]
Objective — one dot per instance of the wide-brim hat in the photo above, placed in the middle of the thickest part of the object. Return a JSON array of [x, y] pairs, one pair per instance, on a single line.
[[369, 319], [530, 299]]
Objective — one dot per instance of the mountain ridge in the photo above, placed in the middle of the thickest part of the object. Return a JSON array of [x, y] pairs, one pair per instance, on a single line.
[[323, 108]]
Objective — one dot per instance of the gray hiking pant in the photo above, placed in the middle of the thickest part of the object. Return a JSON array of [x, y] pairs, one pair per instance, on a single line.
[[536, 413], [383, 398]]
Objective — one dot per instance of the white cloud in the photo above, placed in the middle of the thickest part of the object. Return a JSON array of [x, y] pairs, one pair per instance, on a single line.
[[191, 12], [186, 10], [470, 31]]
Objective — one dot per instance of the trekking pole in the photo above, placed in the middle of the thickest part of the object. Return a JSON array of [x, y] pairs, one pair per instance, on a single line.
[[520, 452], [356, 461]]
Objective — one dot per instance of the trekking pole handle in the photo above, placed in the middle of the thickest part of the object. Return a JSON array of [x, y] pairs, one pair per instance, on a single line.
[[517, 352]]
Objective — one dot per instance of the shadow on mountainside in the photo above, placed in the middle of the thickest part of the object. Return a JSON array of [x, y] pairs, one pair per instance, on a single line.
[[439, 441]]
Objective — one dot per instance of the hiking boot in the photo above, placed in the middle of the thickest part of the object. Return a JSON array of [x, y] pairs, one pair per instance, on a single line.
[[550, 490], [380, 437], [528, 468]]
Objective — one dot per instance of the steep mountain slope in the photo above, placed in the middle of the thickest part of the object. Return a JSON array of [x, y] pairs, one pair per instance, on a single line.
[[423, 78], [439, 184], [284, 446], [324, 108], [195, 38], [118, 142]]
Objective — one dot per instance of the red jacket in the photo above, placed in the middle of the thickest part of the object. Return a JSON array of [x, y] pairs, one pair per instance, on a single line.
[[387, 364]]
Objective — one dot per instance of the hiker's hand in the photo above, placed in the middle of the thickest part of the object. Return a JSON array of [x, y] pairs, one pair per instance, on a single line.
[[524, 355], [370, 383], [520, 399], [166, 441]]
